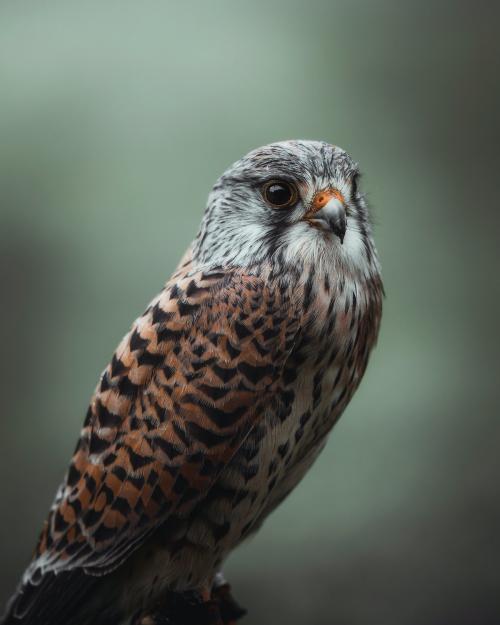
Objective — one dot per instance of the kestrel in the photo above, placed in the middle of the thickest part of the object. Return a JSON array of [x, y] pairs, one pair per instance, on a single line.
[[219, 399]]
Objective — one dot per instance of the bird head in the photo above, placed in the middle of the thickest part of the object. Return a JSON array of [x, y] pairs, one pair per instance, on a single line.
[[289, 202]]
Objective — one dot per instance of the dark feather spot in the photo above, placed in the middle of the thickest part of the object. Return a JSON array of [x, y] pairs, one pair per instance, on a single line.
[[241, 330], [137, 342], [121, 505], [137, 461], [73, 475], [166, 446], [233, 351], [254, 374], [106, 418], [117, 366], [270, 333], [166, 334], [213, 392], [97, 445], [159, 315], [226, 375], [283, 449], [120, 472], [185, 308], [127, 387], [103, 533], [59, 523], [193, 289], [149, 359], [207, 437]]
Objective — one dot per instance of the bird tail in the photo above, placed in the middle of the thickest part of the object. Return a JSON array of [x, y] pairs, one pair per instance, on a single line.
[[67, 598]]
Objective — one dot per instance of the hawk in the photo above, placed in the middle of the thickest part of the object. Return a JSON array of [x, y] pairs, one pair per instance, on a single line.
[[220, 397]]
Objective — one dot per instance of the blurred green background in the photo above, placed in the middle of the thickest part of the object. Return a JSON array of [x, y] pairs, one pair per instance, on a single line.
[[115, 120]]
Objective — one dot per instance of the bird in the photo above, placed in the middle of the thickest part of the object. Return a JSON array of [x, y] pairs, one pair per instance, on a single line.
[[220, 397]]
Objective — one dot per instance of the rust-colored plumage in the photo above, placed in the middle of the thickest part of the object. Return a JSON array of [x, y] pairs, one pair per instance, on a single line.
[[182, 392], [212, 409]]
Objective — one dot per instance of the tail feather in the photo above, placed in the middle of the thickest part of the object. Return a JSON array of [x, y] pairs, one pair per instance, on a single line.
[[68, 598]]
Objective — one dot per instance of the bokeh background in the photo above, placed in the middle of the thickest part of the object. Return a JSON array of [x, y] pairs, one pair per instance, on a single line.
[[115, 120]]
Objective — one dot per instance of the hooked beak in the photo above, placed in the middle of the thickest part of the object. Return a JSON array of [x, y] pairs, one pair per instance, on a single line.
[[328, 212]]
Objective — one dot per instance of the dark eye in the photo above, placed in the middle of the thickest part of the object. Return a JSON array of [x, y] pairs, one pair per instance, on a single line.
[[279, 193]]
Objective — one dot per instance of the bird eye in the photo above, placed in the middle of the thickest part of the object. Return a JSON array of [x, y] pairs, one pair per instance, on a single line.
[[279, 193]]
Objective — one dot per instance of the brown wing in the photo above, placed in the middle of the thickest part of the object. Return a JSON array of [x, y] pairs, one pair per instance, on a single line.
[[182, 392]]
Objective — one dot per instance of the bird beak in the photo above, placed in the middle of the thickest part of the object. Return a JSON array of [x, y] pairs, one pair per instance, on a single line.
[[328, 212]]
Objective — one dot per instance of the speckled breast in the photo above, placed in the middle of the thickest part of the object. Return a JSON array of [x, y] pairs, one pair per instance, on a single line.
[[320, 376], [321, 373]]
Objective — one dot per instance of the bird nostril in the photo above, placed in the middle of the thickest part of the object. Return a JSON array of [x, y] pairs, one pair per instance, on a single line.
[[322, 198]]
